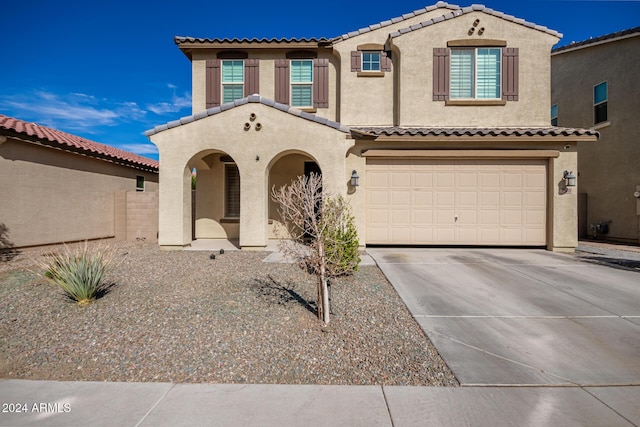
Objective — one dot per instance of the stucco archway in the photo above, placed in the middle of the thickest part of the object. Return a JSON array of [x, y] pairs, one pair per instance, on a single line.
[[282, 170], [216, 199]]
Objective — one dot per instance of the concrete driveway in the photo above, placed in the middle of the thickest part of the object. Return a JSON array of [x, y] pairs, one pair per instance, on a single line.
[[522, 317]]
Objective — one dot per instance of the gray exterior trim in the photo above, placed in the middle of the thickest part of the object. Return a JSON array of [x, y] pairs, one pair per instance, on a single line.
[[398, 131], [474, 8], [250, 99]]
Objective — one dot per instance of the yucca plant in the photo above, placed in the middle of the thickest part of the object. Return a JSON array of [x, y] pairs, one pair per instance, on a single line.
[[80, 272]]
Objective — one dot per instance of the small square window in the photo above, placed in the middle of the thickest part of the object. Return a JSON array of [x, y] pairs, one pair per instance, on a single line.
[[370, 61], [139, 183], [554, 115], [600, 100]]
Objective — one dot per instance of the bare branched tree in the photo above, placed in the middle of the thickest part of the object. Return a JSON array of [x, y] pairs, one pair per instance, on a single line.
[[321, 234]]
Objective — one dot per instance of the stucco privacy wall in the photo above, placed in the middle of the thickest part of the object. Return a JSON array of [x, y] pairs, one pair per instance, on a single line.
[[415, 49], [254, 152], [51, 196]]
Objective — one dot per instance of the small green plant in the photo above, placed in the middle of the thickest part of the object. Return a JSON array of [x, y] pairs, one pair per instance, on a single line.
[[340, 236], [80, 272]]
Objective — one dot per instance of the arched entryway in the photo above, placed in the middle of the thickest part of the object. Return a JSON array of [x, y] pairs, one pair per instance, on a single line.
[[215, 196], [285, 168]]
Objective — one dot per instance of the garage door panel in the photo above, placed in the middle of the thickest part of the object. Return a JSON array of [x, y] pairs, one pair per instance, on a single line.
[[416, 201]]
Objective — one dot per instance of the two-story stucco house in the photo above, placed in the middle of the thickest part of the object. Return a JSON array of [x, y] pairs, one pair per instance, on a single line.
[[594, 84], [442, 113]]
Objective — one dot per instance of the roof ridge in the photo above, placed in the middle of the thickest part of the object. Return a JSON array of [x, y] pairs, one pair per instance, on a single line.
[[475, 8], [187, 39], [404, 17], [248, 99], [62, 138], [595, 40]]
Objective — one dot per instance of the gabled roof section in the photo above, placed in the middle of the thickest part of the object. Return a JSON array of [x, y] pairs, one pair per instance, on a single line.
[[32, 132], [395, 131], [474, 8], [439, 5], [250, 99], [607, 38], [182, 40]]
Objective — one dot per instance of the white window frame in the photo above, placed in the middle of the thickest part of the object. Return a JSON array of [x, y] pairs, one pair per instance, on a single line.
[[554, 117], [362, 61], [606, 101], [475, 74], [223, 83], [292, 83]]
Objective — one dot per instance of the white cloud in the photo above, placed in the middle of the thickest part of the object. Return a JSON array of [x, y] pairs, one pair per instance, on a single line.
[[141, 149], [176, 104]]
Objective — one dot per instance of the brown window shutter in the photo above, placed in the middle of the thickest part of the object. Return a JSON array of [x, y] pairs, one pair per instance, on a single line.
[[321, 83], [282, 81], [213, 83], [251, 76], [385, 62], [356, 60], [510, 73], [440, 74]]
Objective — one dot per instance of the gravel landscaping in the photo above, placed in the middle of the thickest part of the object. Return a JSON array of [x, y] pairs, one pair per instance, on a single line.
[[183, 317]]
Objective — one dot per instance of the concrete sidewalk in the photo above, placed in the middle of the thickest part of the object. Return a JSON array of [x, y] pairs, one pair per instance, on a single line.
[[49, 403]]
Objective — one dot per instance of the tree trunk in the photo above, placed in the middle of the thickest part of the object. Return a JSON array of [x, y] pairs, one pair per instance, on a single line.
[[323, 285]]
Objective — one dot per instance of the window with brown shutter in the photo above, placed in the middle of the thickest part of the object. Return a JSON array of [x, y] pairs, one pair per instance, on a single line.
[[251, 77], [510, 73], [321, 83], [282, 81], [356, 58], [440, 74], [213, 83]]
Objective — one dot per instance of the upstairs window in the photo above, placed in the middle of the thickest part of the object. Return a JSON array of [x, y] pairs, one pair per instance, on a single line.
[[475, 73], [139, 183], [467, 75], [554, 115], [600, 97], [370, 61], [302, 83], [232, 80]]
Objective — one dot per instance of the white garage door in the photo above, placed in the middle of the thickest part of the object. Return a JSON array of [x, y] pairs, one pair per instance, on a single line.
[[456, 202]]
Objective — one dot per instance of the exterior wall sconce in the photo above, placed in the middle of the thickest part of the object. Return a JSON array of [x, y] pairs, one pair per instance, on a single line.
[[569, 179], [354, 178]]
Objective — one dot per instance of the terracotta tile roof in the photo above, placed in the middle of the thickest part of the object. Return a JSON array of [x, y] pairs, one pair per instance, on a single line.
[[474, 8], [599, 40], [181, 39], [55, 138], [439, 5], [487, 132], [250, 99]]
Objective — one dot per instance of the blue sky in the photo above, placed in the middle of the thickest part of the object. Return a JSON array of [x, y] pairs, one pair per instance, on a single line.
[[110, 70]]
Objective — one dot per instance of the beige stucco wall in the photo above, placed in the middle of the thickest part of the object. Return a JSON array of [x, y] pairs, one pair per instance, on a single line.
[[51, 196], [417, 107], [255, 152], [266, 74], [608, 170]]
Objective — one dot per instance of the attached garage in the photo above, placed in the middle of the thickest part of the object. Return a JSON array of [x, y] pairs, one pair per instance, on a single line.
[[439, 201]]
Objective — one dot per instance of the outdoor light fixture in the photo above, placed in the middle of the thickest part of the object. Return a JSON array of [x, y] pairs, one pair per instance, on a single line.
[[569, 179], [354, 178]]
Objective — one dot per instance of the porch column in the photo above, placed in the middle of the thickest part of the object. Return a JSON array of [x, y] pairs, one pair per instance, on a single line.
[[174, 221], [253, 205]]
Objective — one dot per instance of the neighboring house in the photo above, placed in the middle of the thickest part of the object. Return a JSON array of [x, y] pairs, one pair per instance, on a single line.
[[594, 84], [442, 113], [56, 187]]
